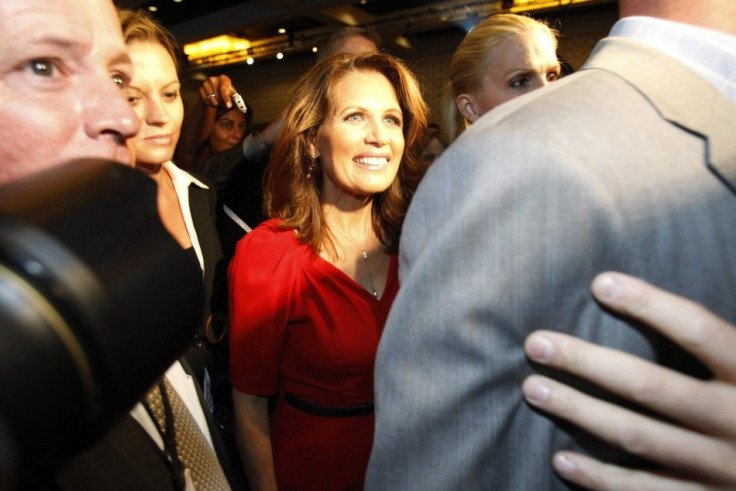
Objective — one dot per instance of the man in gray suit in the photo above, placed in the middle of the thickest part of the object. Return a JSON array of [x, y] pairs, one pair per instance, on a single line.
[[628, 165]]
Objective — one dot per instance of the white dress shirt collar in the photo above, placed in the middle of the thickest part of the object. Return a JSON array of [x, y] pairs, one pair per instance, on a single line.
[[709, 53], [182, 180]]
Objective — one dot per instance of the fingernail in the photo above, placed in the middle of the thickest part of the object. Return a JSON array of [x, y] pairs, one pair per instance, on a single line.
[[539, 348], [563, 464], [607, 287], [536, 391]]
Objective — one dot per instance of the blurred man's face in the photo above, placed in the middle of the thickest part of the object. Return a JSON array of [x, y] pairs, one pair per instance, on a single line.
[[355, 45], [62, 66]]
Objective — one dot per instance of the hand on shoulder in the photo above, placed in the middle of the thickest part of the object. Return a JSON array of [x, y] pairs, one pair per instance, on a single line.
[[695, 444]]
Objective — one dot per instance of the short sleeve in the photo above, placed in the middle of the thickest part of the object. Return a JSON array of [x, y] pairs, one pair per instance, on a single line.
[[261, 281]]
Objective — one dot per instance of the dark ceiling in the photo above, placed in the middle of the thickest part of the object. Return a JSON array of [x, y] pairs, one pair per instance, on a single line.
[[308, 21], [192, 20]]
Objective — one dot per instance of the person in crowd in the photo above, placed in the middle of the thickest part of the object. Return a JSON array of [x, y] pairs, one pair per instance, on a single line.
[[435, 142], [60, 93], [504, 56], [230, 126], [626, 165], [692, 439], [92, 118], [65, 67], [311, 288], [256, 146], [238, 173], [186, 205], [350, 39], [213, 124], [237, 180], [186, 208]]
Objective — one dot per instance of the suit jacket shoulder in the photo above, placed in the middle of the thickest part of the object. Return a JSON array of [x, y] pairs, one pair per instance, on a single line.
[[602, 170]]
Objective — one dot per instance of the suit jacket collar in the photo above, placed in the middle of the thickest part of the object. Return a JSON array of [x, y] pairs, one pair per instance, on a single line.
[[202, 209], [682, 97], [182, 178]]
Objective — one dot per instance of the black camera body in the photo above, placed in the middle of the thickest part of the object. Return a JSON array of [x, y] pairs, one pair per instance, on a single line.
[[96, 302]]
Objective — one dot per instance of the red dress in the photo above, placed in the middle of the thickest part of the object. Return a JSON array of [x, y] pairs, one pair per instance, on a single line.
[[299, 324]]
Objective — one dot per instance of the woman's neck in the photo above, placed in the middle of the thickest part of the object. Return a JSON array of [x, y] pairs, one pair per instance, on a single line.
[[154, 171], [354, 222], [169, 208], [349, 228], [353, 246]]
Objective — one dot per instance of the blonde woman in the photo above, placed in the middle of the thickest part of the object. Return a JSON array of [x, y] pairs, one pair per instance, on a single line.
[[503, 57]]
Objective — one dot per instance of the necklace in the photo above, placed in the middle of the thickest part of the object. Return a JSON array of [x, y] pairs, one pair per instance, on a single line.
[[364, 254], [370, 274]]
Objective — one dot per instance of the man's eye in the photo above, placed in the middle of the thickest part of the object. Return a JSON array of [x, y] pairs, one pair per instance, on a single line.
[[43, 68], [120, 81]]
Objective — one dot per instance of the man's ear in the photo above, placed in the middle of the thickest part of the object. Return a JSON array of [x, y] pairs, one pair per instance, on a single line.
[[467, 106]]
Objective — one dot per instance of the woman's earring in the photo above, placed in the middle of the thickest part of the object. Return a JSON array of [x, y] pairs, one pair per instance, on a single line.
[[312, 166]]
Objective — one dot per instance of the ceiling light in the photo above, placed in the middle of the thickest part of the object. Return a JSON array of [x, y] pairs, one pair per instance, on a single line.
[[279, 56], [152, 8], [249, 60], [519, 6], [216, 46], [282, 30], [403, 41]]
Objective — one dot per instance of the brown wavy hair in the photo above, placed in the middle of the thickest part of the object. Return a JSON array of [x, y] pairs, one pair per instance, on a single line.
[[294, 197]]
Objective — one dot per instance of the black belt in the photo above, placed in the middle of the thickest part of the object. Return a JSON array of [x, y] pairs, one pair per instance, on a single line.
[[329, 411]]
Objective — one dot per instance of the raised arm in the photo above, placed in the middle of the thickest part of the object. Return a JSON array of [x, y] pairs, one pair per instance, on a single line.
[[214, 92]]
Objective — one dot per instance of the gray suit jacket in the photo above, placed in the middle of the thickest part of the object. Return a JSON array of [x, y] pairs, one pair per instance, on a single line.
[[628, 165]]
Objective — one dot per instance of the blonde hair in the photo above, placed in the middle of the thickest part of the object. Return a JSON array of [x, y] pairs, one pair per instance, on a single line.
[[471, 60], [139, 25], [293, 181]]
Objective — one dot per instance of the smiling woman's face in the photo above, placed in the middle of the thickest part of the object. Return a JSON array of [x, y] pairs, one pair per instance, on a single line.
[[361, 142], [154, 95]]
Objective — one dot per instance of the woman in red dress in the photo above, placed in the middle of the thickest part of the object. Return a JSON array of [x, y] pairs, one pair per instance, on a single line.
[[311, 288]]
